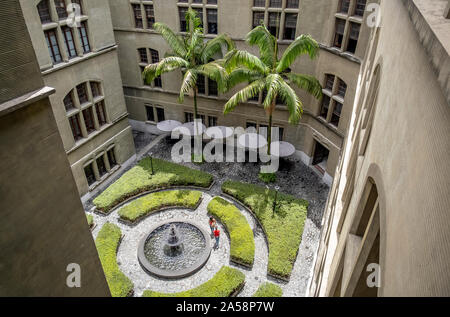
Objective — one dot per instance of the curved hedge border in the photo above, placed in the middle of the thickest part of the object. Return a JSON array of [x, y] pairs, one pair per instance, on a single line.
[[242, 248], [107, 242], [283, 230], [154, 202], [139, 180], [268, 290], [227, 282]]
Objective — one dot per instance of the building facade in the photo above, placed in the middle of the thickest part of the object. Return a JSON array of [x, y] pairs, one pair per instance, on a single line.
[[385, 229], [77, 55], [338, 25]]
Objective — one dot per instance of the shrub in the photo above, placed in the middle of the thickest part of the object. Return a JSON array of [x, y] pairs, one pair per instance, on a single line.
[[156, 201], [224, 284], [268, 290], [107, 242], [242, 247], [90, 220], [268, 177], [283, 229], [139, 180]]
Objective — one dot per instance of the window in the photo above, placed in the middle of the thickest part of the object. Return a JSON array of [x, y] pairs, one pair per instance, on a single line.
[[182, 13], [150, 113], [201, 84], [183, 1], [188, 117], [353, 38], [211, 15], [212, 121], [160, 114], [101, 166], [138, 23], [150, 13], [101, 114], [197, 1], [143, 55], [360, 7], [61, 9], [111, 158], [90, 176], [44, 12], [333, 94], [68, 102], [75, 126], [329, 82], [212, 87], [258, 18], [68, 41], [344, 6], [274, 23], [84, 37], [275, 3], [211, 2], [336, 116], [158, 82], [290, 26], [292, 4], [325, 106], [259, 3], [95, 88], [347, 28], [79, 3], [251, 125], [342, 88], [339, 35], [155, 59], [82, 94], [53, 47], [89, 120]]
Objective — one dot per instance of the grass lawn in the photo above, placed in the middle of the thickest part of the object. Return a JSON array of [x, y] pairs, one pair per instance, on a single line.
[[226, 282], [153, 202], [139, 179], [107, 241], [268, 290], [90, 220], [283, 229], [242, 249]]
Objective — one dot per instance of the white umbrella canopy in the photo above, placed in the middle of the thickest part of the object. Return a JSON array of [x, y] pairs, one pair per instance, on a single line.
[[191, 128], [168, 125], [281, 149], [219, 132], [252, 141]]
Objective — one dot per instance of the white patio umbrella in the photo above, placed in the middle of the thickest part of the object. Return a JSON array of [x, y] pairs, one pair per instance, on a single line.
[[252, 141], [219, 132], [281, 149], [168, 125], [191, 128]]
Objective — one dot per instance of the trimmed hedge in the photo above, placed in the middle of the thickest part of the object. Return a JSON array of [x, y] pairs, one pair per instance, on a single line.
[[153, 202], [90, 220], [268, 177], [242, 249], [283, 229], [225, 283], [268, 290], [139, 179], [107, 242]]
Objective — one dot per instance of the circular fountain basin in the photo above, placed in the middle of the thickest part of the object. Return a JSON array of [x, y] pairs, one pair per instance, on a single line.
[[191, 255]]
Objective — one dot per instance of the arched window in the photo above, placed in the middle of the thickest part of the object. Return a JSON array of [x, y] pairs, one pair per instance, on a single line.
[[44, 11], [334, 93]]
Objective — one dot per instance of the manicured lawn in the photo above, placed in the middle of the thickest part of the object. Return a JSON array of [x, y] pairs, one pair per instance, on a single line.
[[139, 180], [223, 284], [156, 201], [284, 229], [107, 241], [268, 290], [242, 249]]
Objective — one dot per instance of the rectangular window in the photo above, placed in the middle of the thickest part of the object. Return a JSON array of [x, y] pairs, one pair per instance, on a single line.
[[259, 3], [211, 15], [251, 125], [290, 26], [82, 94], [150, 113], [75, 126], [212, 87], [274, 23], [95, 88], [68, 102], [182, 13], [90, 176], [143, 55], [68, 41], [183, 1], [201, 84], [339, 35], [84, 37], [101, 166], [344, 6], [61, 9], [292, 4], [158, 82], [258, 18], [188, 117], [101, 114], [137, 16], [275, 3], [89, 120], [212, 121], [329, 82], [53, 47], [197, 1], [211, 2], [336, 116], [325, 106], [342, 88], [353, 37], [155, 56], [44, 12], [160, 114], [150, 12], [360, 7], [111, 158]]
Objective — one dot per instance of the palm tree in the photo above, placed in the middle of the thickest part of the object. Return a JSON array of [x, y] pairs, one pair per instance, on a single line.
[[192, 55], [270, 74]]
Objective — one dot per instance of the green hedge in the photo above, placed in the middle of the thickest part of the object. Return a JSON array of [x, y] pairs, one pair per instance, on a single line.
[[284, 229], [139, 180], [242, 249], [268, 290], [156, 201], [90, 220], [224, 284], [268, 177], [107, 241]]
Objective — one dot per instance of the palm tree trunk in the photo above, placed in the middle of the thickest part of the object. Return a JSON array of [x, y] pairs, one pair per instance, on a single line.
[[269, 134], [195, 102]]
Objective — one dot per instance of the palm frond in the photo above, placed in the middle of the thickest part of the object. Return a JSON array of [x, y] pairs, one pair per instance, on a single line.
[[149, 73], [189, 82], [291, 100], [243, 95], [175, 42], [237, 58], [273, 84], [304, 44], [169, 64], [193, 22], [215, 71], [261, 37], [241, 75], [215, 46], [308, 83]]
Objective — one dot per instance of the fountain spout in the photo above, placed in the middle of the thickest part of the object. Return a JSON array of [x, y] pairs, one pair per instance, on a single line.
[[174, 244]]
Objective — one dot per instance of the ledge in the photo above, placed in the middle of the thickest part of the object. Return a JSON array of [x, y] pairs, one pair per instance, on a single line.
[[25, 100]]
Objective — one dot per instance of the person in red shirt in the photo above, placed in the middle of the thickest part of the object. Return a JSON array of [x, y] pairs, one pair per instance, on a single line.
[[217, 236], [212, 225]]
